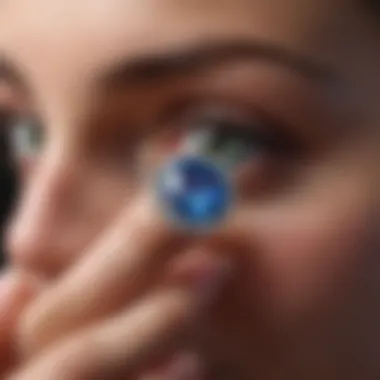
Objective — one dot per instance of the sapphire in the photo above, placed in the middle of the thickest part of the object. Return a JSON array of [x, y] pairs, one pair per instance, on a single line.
[[194, 192]]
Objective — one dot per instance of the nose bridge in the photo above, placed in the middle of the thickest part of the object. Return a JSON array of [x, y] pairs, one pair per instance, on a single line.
[[51, 187], [45, 207]]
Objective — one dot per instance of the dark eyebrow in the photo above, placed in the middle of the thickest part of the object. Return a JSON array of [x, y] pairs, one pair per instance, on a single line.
[[194, 59], [190, 60]]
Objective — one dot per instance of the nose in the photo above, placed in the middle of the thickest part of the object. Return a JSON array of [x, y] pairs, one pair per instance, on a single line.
[[55, 218]]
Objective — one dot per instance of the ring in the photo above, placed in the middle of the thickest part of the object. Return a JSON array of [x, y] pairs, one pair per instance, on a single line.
[[195, 189], [195, 193]]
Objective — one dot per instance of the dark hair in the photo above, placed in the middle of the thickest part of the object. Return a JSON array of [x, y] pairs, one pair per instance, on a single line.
[[373, 6]]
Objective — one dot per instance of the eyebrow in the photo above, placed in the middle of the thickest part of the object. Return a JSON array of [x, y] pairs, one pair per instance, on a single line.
[[191, 60]]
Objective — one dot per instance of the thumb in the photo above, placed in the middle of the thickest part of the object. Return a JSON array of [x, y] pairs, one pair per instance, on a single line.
[[16, 290]]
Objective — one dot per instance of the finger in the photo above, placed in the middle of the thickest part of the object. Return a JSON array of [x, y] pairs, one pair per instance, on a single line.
[[16, 291], [124, 346], [118, 267], [183, 366]]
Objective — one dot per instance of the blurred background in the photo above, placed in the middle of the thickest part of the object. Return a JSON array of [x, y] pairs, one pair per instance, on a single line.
[[7, 183]]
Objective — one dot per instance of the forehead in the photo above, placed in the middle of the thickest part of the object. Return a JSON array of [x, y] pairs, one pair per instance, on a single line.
[[60, 41], [103, 27]]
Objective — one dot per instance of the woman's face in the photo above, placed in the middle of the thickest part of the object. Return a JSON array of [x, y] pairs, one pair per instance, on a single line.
[[106, 82]]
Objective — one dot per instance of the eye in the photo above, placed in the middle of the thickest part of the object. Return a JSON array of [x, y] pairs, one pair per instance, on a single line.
[[223, 140], [25, 136], [231, 136]]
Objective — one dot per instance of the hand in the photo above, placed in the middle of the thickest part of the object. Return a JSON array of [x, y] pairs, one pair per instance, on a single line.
[[16, 291], [113, 315]]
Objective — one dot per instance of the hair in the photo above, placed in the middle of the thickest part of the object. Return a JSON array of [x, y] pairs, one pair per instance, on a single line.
[[373, 6]]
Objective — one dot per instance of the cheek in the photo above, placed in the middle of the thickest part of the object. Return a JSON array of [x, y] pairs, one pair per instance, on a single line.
[[308, 256]]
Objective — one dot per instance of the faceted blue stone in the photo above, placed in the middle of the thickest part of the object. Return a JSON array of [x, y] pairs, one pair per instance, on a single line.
[[195, 192]]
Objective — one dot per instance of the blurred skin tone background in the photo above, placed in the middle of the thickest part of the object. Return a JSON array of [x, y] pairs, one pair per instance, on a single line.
[[97, 286], [6, 185]]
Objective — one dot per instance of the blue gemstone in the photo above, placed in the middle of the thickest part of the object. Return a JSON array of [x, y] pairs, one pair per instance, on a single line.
[[195, 192]]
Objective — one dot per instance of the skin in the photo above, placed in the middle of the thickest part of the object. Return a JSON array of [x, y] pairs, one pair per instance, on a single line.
[[287, 288]]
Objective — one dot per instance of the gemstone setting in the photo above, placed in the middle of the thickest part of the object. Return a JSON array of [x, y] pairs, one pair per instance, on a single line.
[[195, 192]]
